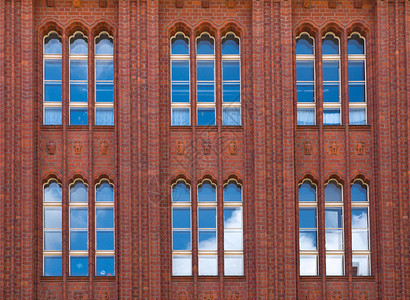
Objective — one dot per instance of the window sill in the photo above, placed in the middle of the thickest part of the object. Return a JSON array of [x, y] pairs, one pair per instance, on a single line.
[[77, 127], [333, 127], [104, 278], [232, 128], [360, 127], [208, 278], [103, 128], [77, 278], [51, 278], [51, 127]]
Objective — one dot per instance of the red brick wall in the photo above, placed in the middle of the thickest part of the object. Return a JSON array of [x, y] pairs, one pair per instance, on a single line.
[[142, 160]]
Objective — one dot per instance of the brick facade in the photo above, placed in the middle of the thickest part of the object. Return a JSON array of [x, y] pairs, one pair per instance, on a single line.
[[139, 154]]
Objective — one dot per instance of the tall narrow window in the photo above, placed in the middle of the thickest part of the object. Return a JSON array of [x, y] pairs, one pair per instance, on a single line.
[[52, 229], [104, 229], [305, 80], [233, 229], [231, 80], [334, 228], [207, 233], [78, 79], [331, 80], [104, 80], [205, 69], [357, 80], [181, 229], [360, 229], [180, 81], [78, 228], [308, 229], [52, 80]]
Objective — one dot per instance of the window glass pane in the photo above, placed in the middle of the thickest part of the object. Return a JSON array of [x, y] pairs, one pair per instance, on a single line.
[[181, 217], [331, 92], [207, 240], [206, 192], [231, 92], [308, 265], [334, 217], [180, 69], [307, 217], [304, 45], [181, 240], [180, 45], [105, 217], [105, 266], [181, 192], [104, 116], [357, 92], [78, 45], [355, 45], [232, 192], [306, 116], [231, 116], [78, 69], [207, 217], [334, 265], [233, 240], [356, 70], [334, 239], [330, 70], [357, 116], [104, 192], [78, 240], [359, 217], [53, 91], [78, 116], [230, 70], [53, 266], [79, 217], [104, 70], [180, 117], [104, 46], [79, 192], [360, 265], [307, 192], [233, 265], [78, 92], [78, 266], [233, 217], [181, 265], [230, 45], [331, 116], [207, 265], [180, 92], [52, 240], [305, 70], [358, 192], [52, 217], [53, 116], [206, 93], [333, 192], [360, 239], [205, 45], [205, 70], [53, 69], [307, 240], [105, 240], [52, 192], [330, 45], [305, 92], [52, 44], [104, 92]]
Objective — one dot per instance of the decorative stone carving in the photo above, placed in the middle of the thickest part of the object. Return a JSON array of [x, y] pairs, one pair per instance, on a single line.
[[333, 148], [51, 148], [233, 148], [76, 3], [357, 3], [206, 147], [179, 3], [103, 3], [78, 147], [359, 148], [182, 295], [103, 147], [307, 148], [50, 3], [205, 3], [331, 4], [231, 3], [306, 3], [105, 296], [181, 149]]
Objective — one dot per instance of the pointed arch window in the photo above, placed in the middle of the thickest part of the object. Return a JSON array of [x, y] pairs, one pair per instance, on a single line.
[[231, 80], [357, 79], [52, 79], [52, 228], [305, 79], [78, 79], [104, 79]]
